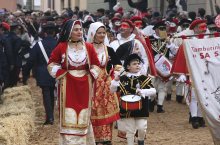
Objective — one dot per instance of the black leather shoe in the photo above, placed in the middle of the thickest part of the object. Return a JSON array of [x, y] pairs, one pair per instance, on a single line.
[[179, 99], [47, 122], [151, 105], [195, 122], [190, 118], [140, 142], [168, 98], [201, 122], [160, 109]]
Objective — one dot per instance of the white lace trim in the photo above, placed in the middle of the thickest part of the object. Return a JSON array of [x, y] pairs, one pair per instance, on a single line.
[[77, 57]]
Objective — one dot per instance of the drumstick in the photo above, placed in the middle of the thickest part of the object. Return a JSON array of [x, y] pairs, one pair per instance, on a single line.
[[122, 72], [133, 96]]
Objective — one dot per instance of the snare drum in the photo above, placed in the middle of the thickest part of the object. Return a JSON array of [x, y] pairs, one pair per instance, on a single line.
[[131, 102]]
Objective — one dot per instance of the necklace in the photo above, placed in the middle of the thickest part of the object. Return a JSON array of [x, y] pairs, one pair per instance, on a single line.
[[75, 41]]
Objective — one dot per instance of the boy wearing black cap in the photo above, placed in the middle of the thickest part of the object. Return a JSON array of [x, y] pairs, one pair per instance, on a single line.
[[136, 86]]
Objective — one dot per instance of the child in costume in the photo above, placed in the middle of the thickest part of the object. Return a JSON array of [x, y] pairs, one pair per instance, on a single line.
[[132, 86]]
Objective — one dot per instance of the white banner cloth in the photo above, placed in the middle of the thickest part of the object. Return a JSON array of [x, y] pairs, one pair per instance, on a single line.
[[203, 61]]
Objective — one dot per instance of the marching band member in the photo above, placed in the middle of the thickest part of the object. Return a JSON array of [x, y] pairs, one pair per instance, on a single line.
[[105, 109], [126, 28], [75, 64], [197, 27], [137, 22], [131, 84], [184, 25], [171, 27], [161, 82], [115, 25], [126, 44]]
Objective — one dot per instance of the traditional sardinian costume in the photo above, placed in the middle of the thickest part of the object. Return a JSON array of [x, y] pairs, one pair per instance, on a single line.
[[76, 70], [105, 109]]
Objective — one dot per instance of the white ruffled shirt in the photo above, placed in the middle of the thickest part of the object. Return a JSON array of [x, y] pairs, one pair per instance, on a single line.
[[144, 92]]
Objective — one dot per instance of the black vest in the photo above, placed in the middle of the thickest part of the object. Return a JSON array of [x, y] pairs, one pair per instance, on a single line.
[[128, 86]]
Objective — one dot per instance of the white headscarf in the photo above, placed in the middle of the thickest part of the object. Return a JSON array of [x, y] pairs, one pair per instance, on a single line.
[[92, 31], [88, 18]]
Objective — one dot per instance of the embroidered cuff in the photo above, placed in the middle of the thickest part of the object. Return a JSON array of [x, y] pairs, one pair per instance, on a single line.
[[114, 85], [53, 68], [94, 70], [147, 92]]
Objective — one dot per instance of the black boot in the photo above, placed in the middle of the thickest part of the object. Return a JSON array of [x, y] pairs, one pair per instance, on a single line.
[[201, 122], [179, 98], [1, 101], [160, 109], [49, 121], [140, 142], [104, 143], [195, 122], [168, 98], [151, 105], [190, 118]]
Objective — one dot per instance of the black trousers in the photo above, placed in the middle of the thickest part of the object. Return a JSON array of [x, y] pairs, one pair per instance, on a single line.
[[14, 76], [48, 100]]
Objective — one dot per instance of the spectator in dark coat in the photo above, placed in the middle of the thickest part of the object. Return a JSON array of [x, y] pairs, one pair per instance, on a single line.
[[6, 57], [16, 43], [44, 80]]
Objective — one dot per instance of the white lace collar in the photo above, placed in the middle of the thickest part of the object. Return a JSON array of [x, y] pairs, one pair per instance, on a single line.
[[133, 74], [131, 37]]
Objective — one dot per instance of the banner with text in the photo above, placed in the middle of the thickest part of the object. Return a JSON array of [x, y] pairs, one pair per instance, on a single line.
[[203, 61]]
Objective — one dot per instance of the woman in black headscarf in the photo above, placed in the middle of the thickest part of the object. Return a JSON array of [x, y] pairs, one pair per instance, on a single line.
[[75, 64]]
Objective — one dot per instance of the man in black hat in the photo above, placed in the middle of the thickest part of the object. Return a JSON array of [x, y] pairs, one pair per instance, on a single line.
[[39, 57], [161, 47]]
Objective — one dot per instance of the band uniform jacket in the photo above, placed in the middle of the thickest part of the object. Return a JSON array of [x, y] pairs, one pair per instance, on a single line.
[[128, 86]]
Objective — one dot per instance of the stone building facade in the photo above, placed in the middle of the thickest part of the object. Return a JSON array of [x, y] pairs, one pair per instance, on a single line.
[[93, 5], [12, 5]]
